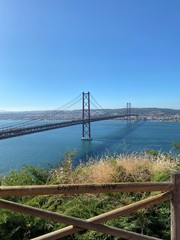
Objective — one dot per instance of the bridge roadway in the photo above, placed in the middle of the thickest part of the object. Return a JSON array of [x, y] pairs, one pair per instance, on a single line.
[[14, 132]]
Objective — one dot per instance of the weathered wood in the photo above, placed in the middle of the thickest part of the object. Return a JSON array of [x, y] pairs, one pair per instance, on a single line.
[[133, 207], [89, 224], [84, 188], [77, 222], [175, 207], [109, 215], [124, 234]]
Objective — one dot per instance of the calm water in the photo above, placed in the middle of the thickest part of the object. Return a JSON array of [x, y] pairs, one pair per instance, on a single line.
[[112, 136]]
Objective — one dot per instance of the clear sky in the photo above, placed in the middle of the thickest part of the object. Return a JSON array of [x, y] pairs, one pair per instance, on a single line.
[[119, 50]]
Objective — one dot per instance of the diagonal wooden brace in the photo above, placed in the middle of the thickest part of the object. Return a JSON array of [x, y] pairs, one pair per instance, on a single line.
[[111, 215], [91, 224]]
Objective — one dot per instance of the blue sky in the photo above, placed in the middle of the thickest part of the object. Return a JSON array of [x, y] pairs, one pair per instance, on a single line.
[[119, 50]]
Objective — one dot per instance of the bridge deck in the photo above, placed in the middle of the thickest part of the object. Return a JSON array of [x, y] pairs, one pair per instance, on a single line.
[[14, 132]]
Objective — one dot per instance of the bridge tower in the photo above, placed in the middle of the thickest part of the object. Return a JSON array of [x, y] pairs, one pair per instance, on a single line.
[[128, 112], [86, 124]]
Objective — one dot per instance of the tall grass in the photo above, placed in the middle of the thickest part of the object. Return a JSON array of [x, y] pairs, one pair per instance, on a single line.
[[120, 168]]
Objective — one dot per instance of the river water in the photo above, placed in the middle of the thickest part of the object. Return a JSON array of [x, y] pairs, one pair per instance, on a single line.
[[109, 137]]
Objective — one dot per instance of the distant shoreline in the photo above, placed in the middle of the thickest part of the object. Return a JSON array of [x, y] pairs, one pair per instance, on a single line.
[[161, 114]]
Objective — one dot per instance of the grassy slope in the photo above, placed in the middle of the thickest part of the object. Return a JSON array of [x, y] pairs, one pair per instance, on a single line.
[[151, 166]]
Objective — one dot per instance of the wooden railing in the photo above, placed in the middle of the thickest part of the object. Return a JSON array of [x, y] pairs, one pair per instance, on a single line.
[[171, 191]]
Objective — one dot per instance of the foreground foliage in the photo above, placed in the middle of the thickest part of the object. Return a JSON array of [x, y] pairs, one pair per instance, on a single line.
[[150, 166]]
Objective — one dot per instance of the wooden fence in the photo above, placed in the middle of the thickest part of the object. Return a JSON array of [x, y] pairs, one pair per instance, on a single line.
[[170, 191]]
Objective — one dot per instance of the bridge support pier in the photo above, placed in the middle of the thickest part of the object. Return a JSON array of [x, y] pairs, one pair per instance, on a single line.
[[128, 112], [86, 125]]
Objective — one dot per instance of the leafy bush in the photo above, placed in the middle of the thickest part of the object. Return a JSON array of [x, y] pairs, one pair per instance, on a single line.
[[28, 175]]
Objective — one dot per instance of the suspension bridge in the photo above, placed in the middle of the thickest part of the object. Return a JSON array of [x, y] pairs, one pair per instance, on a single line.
[[63, 117]]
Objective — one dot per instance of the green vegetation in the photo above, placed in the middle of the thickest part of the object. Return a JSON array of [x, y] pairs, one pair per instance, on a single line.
[[150, 166]]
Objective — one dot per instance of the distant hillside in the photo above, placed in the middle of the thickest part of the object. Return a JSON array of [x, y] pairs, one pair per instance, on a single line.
[[146, 111], [156, 110], [77, 113]]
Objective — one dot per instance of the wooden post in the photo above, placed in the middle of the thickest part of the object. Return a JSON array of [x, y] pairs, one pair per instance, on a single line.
[[175, 207]]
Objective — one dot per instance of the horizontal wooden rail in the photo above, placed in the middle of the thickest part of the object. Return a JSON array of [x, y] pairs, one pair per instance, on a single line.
[[84, 188], [109, 215]]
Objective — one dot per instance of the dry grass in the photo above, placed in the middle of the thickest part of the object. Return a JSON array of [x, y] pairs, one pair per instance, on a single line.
[[122, 168], [100, 171]]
